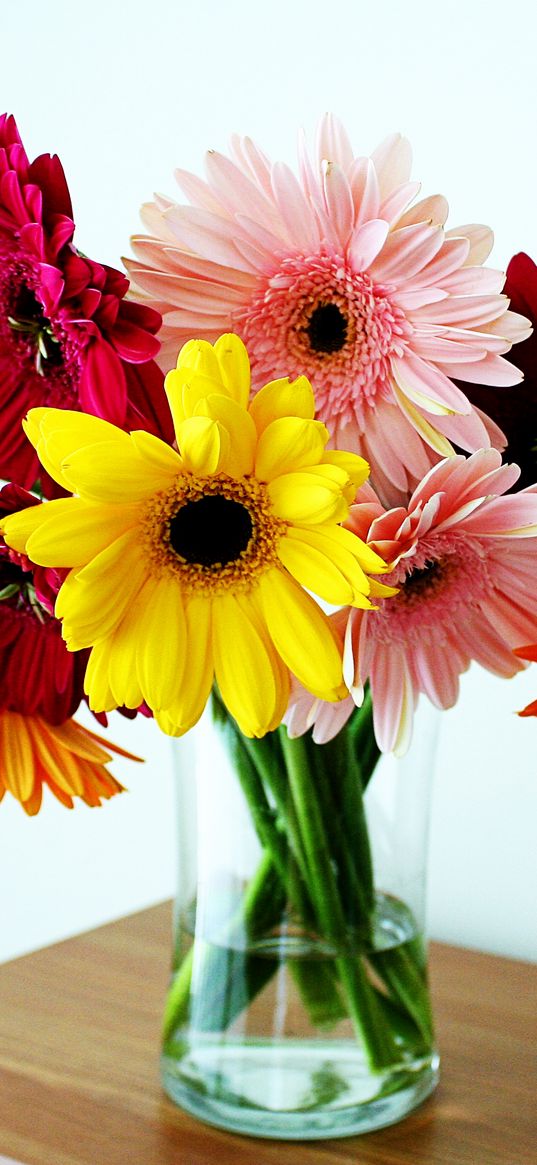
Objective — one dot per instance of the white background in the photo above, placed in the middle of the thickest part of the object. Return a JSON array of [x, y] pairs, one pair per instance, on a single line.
[[126, 92]]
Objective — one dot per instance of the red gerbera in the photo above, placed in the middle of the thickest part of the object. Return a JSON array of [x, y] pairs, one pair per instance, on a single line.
[[68, 336]]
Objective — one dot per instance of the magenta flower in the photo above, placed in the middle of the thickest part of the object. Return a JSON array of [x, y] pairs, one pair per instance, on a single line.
[[343, 277], [465, 562], [67, 333]]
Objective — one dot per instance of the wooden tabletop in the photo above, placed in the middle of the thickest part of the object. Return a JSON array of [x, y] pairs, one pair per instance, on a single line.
[[79, 1042]]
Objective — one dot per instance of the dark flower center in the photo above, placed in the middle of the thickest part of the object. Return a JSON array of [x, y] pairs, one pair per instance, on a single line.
[[28, 319], [12, 579], [212, 531], [327, 328], [421, 581]]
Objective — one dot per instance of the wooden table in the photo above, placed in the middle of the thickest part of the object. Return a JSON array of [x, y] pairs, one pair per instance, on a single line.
[[79, 1037]]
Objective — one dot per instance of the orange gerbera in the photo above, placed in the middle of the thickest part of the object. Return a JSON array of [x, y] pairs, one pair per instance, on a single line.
[[67, 758]]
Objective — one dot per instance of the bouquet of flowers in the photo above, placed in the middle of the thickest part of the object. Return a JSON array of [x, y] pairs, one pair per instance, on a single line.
[[267, 475]]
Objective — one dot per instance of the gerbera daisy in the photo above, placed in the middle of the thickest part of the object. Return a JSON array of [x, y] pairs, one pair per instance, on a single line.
[[191, 564], [67, 333], [465, 562], [342, 276]]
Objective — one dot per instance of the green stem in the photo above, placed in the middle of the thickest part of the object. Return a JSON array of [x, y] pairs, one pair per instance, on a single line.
[[399, 969], [362, 741], [338, 786], [363, 1005], [262, 903]]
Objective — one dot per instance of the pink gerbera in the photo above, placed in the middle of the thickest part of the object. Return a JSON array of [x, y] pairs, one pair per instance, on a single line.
[[342, 277], [465, 562], [68, 336]]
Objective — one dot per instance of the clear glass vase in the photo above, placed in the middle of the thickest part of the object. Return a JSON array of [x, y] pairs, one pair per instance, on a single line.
[[298, 1006]]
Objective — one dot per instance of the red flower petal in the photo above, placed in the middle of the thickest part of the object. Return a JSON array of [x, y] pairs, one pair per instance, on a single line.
[[148, 406], [132, 343], [102, 389]]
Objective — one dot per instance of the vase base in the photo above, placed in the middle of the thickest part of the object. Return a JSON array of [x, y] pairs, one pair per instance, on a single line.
[[246, 1091]]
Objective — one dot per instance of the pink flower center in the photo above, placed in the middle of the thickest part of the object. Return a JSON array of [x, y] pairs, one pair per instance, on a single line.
[[447, 575], [315, 316]]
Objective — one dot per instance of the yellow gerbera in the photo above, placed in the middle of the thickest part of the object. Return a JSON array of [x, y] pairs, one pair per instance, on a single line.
[[67, 758], [191, 564]]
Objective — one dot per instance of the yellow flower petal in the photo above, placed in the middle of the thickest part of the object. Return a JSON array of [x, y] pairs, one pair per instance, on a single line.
[[303, 635], [282, 398], [288, 444], [57, 433], [196, 686], [112, 472], [161, 642], [234, 367], [77, 530], [185, 388], [243, 666], [203, 444], [18, 528], [96, 685], [280, 670], [120, 660], [346, 554], [306, 497], [92, 601], [380, 590], [239, 458], [337, 537], [200, 356], [314, 570], [354, 466], [156, 452]]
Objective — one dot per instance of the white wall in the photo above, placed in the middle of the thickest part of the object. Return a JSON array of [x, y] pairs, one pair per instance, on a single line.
[[126, 92]]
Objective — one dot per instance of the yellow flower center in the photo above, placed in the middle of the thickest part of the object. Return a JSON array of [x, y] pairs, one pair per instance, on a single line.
[[216, 533]]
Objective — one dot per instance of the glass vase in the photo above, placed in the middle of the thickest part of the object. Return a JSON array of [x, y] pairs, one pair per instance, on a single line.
[[298, 1006]]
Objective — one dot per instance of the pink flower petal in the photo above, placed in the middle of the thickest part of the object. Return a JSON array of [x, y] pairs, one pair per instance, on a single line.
[[295, 212], [338, 200], [481, 241], [514, 516], [426, 385], [450, 258], [200, 231], [393, 163], [407, 251], [433, 210], [235, 192], [197, 191], [366, 243], [333, 143], [388, 684], [253, 161], [393, 206], [493, 370], [472, 310], [365, 190]]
